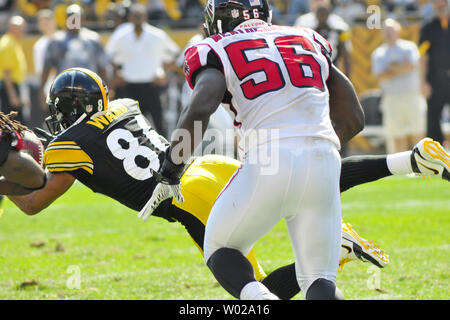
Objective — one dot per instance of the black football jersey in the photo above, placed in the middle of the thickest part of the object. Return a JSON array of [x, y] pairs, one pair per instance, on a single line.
[[112, 153]]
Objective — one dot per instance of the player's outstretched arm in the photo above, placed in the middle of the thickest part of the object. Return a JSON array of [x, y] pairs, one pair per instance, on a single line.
[[21, 174], [346, 112], [57, 184]]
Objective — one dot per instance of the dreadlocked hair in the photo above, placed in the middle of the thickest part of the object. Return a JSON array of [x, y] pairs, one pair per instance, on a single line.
[[8, 125]]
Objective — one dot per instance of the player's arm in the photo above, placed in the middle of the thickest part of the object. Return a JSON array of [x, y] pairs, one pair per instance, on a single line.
[[22, 174], [346, 112], [57, 184], [208, 93]]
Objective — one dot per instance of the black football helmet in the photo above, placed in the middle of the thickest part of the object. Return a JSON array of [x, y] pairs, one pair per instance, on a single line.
[[225, 15], [74, 93]]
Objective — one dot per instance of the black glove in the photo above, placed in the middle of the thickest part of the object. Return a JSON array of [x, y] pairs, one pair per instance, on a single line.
[[45, 136], [169, 173]]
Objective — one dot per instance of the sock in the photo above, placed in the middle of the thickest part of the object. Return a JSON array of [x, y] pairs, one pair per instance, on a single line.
[[362, 169], [399, 163], [254, 291], [231, 269], [283, 282]]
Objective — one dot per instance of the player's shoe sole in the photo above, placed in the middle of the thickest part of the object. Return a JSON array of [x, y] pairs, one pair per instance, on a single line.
[[361, 249], [428, 157]]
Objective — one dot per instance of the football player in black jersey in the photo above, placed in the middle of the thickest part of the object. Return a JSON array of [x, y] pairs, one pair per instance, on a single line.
[[110, 147]]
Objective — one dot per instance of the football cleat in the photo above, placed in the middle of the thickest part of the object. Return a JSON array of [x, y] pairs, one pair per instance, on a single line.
[[354, 247], [429, 158]]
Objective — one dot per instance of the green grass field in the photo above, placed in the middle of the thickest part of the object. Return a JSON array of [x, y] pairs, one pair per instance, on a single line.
[[117, 256]]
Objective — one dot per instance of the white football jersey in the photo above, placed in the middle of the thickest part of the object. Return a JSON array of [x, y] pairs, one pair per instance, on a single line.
[[275, 76]]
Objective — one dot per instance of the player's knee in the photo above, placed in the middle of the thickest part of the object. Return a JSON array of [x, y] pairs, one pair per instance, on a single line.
[[221, 256], [323, 289], [231, 269]]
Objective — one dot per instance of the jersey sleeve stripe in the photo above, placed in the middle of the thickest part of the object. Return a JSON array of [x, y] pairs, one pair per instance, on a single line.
[[62, 142], [63, 157], [67, 167], [64, 146]]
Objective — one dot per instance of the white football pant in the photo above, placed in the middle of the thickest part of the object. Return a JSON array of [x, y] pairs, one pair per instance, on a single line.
[[304, 191]]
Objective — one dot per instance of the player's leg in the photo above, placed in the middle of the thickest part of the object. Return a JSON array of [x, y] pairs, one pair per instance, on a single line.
[[314, 223], [201, 184], [245, 211], [428, 157]]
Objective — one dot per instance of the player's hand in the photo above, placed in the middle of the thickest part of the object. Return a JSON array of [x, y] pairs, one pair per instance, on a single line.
[[168, 186], [44, 136]]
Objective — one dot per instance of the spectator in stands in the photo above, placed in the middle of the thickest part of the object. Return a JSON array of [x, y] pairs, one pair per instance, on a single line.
[[295, 9], [47, 27], [396, 65], [191, 10], [13, 67], [141, 54], [350, 10], [29, 9], [6, 9], [156, 10], [333, 28], [74, 47], [434, 47]]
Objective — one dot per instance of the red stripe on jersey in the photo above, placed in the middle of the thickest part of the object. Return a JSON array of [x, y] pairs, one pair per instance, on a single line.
[[191, 63]]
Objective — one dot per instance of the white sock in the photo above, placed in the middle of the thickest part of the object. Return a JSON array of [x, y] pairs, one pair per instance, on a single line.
[[399, 163], [255, 290]]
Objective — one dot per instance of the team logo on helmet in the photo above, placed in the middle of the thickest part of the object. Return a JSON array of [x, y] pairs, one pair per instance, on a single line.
[[186, 69]]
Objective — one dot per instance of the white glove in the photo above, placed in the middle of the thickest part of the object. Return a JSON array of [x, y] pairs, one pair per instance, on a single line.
[[162, 192], [168, 178]]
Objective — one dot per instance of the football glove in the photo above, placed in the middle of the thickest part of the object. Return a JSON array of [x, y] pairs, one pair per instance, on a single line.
[[168, 178], [9, 140]]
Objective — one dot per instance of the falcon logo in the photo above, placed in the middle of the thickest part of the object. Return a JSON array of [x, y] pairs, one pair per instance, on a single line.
[[186, 68]]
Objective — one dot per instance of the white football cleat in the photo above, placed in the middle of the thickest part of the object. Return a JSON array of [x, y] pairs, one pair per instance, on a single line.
[[429, 158], [353, 247]]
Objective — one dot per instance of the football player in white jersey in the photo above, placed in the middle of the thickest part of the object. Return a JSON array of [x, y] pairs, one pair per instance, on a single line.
[[277, 80]]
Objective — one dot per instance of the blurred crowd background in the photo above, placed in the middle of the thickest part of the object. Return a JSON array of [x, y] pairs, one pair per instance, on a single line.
[[396, 52]]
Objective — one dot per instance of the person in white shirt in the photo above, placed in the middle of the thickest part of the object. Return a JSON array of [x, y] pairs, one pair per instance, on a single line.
[[141, 54], [396, 65], [47, 27]]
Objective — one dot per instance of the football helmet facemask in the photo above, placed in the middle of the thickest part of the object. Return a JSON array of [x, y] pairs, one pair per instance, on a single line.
[[75, 92], [224, 15]]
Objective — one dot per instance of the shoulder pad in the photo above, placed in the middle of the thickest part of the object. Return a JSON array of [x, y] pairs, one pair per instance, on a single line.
[[327, 50], [195, 58], [130, 104]]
